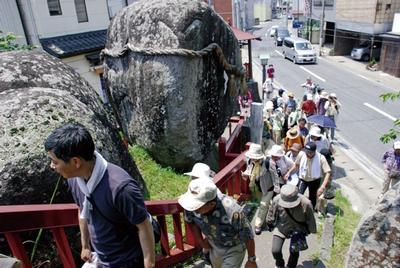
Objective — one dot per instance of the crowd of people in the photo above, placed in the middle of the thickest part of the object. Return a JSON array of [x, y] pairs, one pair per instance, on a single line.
[[294, 156]]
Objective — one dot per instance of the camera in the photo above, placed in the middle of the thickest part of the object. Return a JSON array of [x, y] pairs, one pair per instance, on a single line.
[[279, 171]]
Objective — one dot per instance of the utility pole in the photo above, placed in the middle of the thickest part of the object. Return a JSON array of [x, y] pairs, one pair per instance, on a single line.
[[310, 22], [321, 28], [287, 11]]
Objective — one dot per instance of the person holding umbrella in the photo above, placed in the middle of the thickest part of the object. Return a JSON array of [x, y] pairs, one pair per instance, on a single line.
[[318, 138]]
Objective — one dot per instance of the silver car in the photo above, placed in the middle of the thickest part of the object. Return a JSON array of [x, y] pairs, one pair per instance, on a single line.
[[299, 50], [363, 51]]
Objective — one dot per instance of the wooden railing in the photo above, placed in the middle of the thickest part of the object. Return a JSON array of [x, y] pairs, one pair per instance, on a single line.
[[21, 218]]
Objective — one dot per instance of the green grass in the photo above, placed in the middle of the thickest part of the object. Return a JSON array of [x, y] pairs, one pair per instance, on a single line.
[[162, 183], [345, 224]]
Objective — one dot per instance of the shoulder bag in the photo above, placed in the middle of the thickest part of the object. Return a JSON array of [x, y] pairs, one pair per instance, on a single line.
[[298, 241]]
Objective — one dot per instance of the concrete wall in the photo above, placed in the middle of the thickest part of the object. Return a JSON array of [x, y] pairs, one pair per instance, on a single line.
[[298, 7], [262, 10], [67, 23], [249, 13], [330, 10], [10, 21], [385, 11], [360, 11], [82, 66]]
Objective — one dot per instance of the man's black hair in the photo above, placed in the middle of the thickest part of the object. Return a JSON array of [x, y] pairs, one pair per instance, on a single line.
[[302, 120], [71, 140]]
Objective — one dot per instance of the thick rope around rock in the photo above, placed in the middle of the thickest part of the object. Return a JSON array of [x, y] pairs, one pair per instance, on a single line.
[[229, 68]]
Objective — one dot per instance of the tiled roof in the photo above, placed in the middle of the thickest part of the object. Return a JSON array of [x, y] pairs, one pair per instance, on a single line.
[[74, 44]]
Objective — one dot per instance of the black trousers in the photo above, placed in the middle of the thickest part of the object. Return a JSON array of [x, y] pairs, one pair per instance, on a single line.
[[135, 263], [312, 189], [277, 243]]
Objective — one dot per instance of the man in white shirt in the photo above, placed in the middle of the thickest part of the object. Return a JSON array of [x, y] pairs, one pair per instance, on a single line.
[[312, 167]]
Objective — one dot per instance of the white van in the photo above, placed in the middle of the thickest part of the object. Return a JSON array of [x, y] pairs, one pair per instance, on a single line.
[[299, 50]]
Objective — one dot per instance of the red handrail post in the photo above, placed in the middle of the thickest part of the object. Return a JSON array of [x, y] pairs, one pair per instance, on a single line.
[[164, 235], [17, 248], [222, 152], [178, 231], [63, 247]]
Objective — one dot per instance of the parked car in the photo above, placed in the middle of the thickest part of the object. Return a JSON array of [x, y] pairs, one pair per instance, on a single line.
[[299, 50], [280, 34], [273, 30], [363, 51], [289, 17]]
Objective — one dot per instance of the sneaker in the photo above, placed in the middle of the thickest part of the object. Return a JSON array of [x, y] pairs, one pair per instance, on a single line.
[[257, 230]]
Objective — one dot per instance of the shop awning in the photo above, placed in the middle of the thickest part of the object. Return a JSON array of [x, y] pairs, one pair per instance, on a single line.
[[242, 36]]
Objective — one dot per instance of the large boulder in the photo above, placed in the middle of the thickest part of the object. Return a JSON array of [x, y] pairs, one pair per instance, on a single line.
[[173, 104], [376, 243], [37, 94]]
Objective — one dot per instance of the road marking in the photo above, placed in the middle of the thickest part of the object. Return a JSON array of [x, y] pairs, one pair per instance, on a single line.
[[279, 53], [380, 111], [366, 78], [381, 84], [317, 76]]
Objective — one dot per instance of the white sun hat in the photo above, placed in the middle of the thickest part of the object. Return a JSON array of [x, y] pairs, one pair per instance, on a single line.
[[315, 131], [276, 150], [396, 145], [199, 192], [255, 151], [199, 170]]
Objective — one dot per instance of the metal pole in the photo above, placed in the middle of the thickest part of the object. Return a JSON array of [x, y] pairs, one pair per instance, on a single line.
[[264, 76], [256, 122], [250, 59], [286, 13], [298, 11], [372, 47], [321, 28]]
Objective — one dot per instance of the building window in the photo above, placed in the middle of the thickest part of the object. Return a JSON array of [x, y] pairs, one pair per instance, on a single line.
[[54, 7], [81, 11]]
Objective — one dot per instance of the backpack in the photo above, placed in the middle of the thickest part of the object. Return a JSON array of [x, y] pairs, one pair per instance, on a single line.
[[328, 155], [275, 102]]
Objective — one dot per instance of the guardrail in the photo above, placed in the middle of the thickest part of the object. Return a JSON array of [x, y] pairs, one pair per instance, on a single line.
[[16, 219]]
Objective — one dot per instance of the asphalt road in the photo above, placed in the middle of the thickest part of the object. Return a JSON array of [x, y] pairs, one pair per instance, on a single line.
[[363, 116]]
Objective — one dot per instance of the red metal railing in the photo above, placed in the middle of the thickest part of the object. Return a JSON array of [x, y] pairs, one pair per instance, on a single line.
[[21, 218], [231, 148]]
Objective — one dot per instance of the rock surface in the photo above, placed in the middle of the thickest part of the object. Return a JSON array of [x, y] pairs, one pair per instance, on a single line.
[[376, 242], [174, 106], [37, 94]]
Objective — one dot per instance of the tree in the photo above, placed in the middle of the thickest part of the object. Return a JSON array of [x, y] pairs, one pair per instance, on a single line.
[[394, 132], [7, 43]]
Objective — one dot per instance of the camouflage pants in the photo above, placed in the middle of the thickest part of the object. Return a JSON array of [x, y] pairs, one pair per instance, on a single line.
[[227, 257]]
